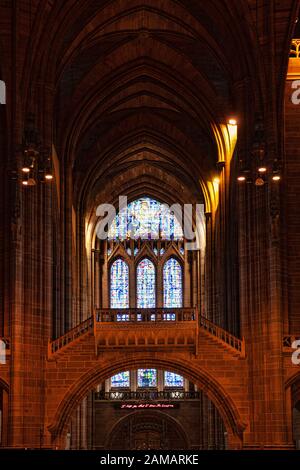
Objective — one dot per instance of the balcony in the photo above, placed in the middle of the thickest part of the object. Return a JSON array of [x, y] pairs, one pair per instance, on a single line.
[[160, 329], [151, 329]]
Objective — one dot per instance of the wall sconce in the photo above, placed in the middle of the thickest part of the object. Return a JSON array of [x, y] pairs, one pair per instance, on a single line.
[[276, 171], [232, 121]]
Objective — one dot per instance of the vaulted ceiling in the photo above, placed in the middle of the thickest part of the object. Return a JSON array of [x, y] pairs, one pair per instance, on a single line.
[[136, 87]]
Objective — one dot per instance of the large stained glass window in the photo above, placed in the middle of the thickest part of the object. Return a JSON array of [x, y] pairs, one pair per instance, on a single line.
[[147, 378], [119, 284], [145, 284], [145, 218], [120, 380], [172, 279], [173, 380]]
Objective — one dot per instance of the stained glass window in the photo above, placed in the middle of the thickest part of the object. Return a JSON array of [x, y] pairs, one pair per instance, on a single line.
[[173, 380], [120, 380], [147, 378], [172, 279], [122, 317], [145, 218], [145, 284], [119, 284]]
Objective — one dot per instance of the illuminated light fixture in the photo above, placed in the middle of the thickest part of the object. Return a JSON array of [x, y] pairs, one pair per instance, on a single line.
[[25, 169], [276, 171], [259, 181], [262, 169], [25, 179], [48, 173], [232, 122], [216, 180], [31, 182], [241, 178]]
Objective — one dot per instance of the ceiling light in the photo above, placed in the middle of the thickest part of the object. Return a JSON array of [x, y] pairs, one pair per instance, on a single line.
[[276, 177], [241, 178], [259, 181]]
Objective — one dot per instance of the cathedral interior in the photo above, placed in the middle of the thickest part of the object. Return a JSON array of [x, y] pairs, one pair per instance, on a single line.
[[150, 224]]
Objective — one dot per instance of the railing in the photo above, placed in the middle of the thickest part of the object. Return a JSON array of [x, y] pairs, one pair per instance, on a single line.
[[73, 334], [133, 246], [135, 315], [289, 339], [223, 335], [295, 49], [147, 395], [156, 316]]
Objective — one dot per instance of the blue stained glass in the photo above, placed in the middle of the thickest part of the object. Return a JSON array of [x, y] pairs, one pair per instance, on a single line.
[[122, 317], [173, 380], [119, 284], [120, 380], [145, 218], [169, 316], [145, 284], [172, 278], [147, 378]]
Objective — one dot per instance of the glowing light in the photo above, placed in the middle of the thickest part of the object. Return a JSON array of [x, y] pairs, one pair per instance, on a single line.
[[262, 169], [216, 181], [241, 178], [48, 176], [232, 122], [259, 181], [26, 169], [276, 177], [25, 182]]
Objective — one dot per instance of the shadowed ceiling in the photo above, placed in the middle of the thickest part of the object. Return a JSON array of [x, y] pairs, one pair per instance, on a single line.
[[139, 85]]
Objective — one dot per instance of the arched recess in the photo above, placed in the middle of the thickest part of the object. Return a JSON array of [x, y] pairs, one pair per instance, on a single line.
[[292, 387], [210, 386], [4, 396], [147, 416]]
